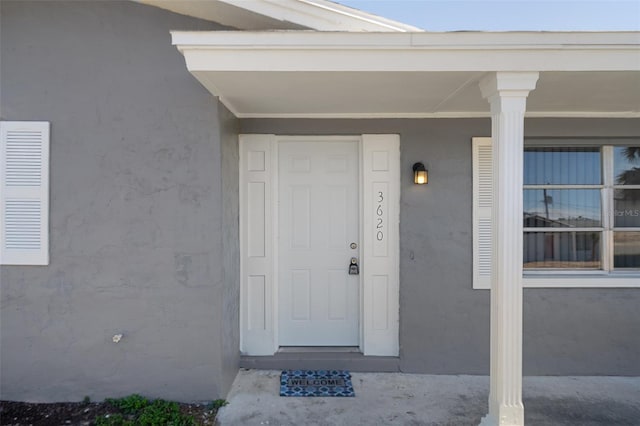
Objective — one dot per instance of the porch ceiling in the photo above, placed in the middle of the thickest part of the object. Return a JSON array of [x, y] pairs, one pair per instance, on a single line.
[[301, 74]]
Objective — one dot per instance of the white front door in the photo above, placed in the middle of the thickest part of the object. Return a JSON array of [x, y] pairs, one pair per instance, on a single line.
[[318, 210]]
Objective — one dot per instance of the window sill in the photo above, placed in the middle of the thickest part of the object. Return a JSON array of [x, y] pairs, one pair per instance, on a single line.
[[581, 281], [587, 280]]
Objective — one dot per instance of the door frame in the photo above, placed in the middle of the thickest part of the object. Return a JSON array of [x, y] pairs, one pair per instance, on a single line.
[[379, 167]]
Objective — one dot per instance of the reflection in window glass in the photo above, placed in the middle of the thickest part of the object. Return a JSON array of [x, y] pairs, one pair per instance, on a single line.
[[626, 249], [562, 208], [627, 208], [554, 250], [562, 166], [626, 165]]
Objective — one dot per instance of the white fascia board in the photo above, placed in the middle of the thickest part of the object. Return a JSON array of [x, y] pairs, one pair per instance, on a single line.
[[321, 15], [479, 51], [464, 39], [434, 115]]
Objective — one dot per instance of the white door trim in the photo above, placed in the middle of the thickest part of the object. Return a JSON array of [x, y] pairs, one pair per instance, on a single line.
[[379, 279]]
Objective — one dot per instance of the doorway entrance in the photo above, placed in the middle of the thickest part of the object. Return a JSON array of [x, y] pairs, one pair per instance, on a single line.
[[308, 206], [319, 238]]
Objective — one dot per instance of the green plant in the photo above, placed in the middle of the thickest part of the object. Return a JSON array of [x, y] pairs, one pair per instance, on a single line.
[[139, 411], [161, 412], [129, 404], [218, 404], [86, 400]]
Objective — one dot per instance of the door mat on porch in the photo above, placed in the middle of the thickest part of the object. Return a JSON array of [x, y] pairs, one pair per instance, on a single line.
[[316, 383]]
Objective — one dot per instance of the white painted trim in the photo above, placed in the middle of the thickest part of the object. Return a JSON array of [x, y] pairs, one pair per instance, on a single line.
[[363, 20], [587, 281], [207, 53], [319, 15], [361, 318], [567, 278], [381, 275], [275, 226], [232, 109], [373, 342], [506, 93], [606, 281], [607, 206], [481, 243], [22, 196], [257, 341], [582, 114], [452, 114], [456, 51], [461, 40], [551, 186]]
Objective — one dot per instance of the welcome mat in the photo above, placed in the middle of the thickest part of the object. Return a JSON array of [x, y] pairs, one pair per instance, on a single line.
[[316, 383]]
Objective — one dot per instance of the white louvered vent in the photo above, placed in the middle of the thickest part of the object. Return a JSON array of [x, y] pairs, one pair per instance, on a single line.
[[485, 177], [482, 204], [484, 248], [24, 193], [22, 224], [23, 158]]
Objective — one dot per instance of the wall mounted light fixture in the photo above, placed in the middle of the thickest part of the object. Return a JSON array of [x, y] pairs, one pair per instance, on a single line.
[[420, 174]]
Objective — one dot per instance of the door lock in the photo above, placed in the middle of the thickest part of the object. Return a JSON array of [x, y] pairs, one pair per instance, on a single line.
[[354, 269]]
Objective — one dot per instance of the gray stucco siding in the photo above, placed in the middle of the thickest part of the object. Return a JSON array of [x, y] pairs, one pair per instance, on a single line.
[[444, 323], [144, 224], [136, 213], [230, 188]]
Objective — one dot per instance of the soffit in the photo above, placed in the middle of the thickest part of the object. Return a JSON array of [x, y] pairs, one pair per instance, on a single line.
[[413, 75]]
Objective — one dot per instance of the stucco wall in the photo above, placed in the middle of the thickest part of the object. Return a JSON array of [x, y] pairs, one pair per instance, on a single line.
[[230, 318], [136, 214], [144, 224], [444, 323]]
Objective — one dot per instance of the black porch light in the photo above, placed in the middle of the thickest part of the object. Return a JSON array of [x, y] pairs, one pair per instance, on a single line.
[[420, 174]]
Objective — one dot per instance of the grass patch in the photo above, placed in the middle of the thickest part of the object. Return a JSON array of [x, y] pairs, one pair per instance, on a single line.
[[135, 410], [218, 404]]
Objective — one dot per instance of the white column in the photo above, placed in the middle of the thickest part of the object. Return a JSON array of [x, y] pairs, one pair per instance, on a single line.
[[507, 94]]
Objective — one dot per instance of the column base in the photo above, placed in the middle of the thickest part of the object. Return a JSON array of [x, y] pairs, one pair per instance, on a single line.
[[509, 416], [488, 420]]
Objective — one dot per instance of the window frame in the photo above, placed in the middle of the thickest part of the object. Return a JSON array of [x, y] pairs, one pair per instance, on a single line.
[[612, 229], [604, 257], [569, 278]]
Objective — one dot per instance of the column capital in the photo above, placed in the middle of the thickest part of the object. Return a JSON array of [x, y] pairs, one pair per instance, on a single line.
[[508, 84]]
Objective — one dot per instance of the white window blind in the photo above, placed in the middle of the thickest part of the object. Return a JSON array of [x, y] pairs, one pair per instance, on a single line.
[[565, 210], [24, 193]]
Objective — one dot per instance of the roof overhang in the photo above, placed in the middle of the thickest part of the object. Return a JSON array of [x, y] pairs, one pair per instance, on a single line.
[[312, 74], [260, 15]]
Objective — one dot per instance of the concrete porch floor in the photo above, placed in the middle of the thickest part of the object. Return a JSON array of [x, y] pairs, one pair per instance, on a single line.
[[416, 399]]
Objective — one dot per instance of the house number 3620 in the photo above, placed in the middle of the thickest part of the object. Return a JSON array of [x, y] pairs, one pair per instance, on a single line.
[[380, 217]]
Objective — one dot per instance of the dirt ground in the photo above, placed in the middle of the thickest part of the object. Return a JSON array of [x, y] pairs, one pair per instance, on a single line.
[[78, 413]]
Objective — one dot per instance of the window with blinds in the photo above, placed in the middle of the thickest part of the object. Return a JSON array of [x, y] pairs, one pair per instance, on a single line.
[[581, 208]]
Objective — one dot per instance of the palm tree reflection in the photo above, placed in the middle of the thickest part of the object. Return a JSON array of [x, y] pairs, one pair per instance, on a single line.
[[627, 211]]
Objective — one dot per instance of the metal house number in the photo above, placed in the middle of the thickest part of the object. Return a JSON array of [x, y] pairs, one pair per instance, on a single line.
[[380, 225], [380, 218]]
